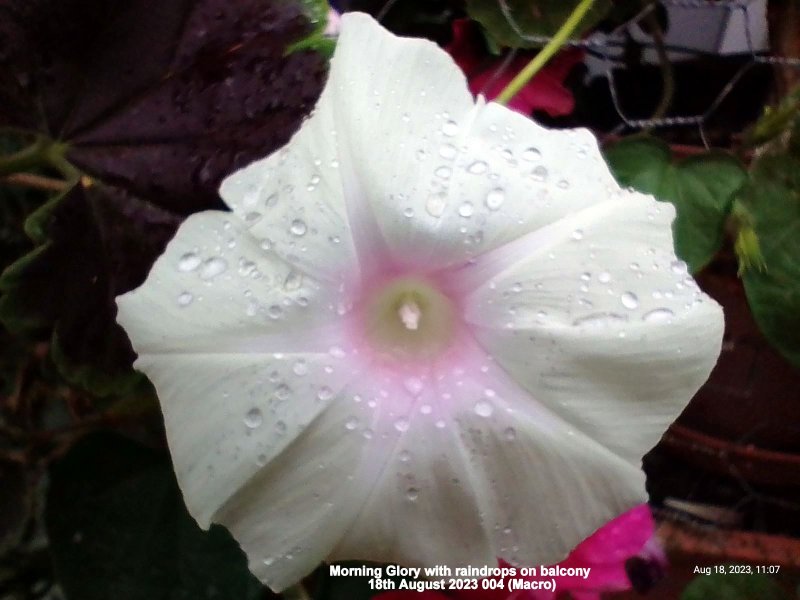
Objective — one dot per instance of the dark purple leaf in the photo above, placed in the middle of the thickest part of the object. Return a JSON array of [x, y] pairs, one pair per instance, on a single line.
[[96, 243], [160, 98]]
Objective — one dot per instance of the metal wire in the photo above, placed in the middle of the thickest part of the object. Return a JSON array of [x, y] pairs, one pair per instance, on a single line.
[[603, 46]]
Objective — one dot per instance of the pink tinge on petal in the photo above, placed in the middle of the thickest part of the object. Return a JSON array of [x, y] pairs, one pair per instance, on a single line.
[[486, 75], [334, 23]]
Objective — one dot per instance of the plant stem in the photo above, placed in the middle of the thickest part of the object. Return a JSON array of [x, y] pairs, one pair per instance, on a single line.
[[667, 75], [27, 158], [41, 153], [545, 54], [37, 182]]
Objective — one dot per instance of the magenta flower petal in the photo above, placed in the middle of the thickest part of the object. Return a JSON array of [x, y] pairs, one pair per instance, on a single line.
[[486, 76]]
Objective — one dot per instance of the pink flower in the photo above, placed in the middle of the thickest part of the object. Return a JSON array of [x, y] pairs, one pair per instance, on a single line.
[[486, 75], [605, 553]]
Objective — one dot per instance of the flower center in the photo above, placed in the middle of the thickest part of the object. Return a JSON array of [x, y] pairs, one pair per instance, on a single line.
[[409, 319]]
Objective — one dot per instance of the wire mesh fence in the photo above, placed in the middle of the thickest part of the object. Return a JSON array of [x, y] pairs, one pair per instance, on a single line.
[[607, 47]]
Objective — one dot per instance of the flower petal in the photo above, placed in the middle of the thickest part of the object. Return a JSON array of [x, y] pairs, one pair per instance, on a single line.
[[599, 321], [450, 178], [216, 290], [293, 512], [470, 464], [242, 350], [293, 201]]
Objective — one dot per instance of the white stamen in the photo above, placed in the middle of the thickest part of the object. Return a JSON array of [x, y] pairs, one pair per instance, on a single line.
[[410, 315]]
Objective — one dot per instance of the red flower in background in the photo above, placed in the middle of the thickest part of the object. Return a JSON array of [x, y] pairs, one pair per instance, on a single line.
[[485, 75], [605, 552]]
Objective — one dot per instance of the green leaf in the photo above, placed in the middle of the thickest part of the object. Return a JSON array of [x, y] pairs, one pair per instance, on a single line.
[[118, 529], [773, 203], [702, 188], [530, 18], [733, 587], [317, 41], [95, 243], [776, 121]]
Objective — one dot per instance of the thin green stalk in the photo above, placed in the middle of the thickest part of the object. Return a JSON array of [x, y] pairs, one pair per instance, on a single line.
[[667, 75], [546, 53], [41, 153], [56, 158], [27, 158]]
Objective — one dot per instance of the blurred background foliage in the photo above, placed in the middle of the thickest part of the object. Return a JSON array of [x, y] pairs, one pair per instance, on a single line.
[[119, 119]]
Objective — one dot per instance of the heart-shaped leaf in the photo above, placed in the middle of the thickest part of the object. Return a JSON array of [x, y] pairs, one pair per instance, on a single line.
[[773, 202], [118, 529], [701, 187], [512, 23], [160, 98], [95, 243]]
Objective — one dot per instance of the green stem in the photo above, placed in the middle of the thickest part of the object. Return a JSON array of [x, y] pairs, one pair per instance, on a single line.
[[667, 75], [41, 153], [27, 158], [546, 53], [56, 158]]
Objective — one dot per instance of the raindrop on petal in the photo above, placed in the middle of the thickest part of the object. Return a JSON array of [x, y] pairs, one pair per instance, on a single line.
[[495, 198], [298, 228], [293, 281], [189, 262], [213, 267], [443, 172], [629, 300], [679, 267], [413, 385], [448, 151], [300, 367], [539, 173], [253, 418], [185, 299], [478, 167], [436, 204], [658, 315], [450, 128], [483, 408], [600, 320], [531, 154]]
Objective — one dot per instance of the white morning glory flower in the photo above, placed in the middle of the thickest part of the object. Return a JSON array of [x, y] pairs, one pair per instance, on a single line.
[[430, 332]]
